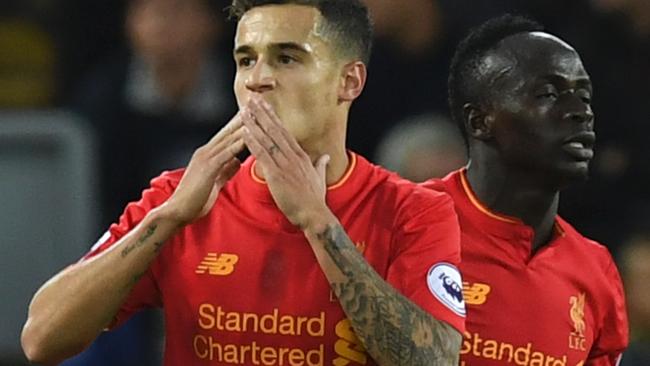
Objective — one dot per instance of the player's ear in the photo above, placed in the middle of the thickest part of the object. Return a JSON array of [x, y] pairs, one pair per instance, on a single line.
[[478, 123], [353, 79]]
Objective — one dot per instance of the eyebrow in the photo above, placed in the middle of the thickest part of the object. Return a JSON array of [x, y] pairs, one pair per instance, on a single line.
[[243, 49], [280, 46], [582, 82]]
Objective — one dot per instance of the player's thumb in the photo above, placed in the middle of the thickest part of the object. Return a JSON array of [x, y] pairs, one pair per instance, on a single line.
[[321, 166]]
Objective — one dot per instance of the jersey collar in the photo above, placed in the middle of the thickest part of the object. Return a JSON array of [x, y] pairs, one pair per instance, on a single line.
[[344, 178], [504, 226]]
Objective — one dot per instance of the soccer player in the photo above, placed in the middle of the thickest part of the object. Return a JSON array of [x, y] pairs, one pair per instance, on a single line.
[[537, 292], [304, 254]]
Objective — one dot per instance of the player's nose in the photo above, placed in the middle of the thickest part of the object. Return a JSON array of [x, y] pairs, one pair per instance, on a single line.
[[261, 79]]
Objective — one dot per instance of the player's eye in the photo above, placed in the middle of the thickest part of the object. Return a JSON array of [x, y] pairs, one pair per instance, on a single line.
[[585, 96], [246, 62], [547, 92], [286, 59]]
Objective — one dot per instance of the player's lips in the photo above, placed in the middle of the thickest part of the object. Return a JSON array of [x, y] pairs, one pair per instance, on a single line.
[[580, 146]]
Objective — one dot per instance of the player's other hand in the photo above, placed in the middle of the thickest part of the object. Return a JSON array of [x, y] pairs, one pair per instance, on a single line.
[[297, 185], [211, 166]]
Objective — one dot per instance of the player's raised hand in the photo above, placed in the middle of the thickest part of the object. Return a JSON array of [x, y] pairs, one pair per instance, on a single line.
[[297, 185], [211, 166]]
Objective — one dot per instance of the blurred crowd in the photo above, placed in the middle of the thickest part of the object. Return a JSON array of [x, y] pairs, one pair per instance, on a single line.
[[153, 81]]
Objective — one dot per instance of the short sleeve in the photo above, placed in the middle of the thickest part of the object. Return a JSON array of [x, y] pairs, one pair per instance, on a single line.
[[612, 338], [145, 293], [426, 254]]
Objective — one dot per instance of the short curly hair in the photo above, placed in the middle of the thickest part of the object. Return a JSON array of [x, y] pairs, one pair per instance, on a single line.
[[347, 22], [464, 69]]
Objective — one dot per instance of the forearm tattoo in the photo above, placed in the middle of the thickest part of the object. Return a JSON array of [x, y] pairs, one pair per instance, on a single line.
[[142, 241], [394, 330]]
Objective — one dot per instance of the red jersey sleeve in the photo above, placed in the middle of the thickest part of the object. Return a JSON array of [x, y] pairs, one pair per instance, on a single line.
[[426, 254], [145, 293], [612, 338]]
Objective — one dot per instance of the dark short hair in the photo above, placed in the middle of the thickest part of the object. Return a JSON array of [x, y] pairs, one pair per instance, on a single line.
[[347, 22], [464, 70]]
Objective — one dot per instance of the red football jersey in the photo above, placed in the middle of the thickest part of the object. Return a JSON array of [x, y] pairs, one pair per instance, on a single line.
[[242, 285], [561, 306]]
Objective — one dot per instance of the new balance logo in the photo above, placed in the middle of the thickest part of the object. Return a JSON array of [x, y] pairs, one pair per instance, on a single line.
[[217, 264], [348, 347], [476, 293]]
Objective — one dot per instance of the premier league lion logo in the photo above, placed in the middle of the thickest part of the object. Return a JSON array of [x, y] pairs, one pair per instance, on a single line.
[[452, 288], [445, 281]]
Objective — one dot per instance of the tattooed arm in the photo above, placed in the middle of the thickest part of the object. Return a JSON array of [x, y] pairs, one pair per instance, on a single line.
[[70, 310], [394, 330]]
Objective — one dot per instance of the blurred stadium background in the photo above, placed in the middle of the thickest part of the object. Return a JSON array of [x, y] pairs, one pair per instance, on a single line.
[[97, 97]]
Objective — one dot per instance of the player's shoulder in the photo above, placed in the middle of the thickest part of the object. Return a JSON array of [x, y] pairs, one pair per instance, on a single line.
[[587, 247], [168, 180], [445, 184], [405, 194], [159, 190]]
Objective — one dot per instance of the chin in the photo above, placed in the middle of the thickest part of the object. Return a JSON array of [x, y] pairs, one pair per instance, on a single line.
[[572, 173]]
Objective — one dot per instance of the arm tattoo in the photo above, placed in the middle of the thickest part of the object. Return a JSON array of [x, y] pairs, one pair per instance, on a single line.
[[134, 280], [394, 330], [142, 241]]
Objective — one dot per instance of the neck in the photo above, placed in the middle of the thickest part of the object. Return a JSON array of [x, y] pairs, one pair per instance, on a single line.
[[332, 144], [514, 193]]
